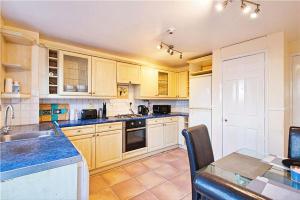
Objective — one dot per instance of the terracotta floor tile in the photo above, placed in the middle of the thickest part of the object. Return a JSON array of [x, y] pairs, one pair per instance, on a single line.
[[145, 196], [97, 183], [136, 169], [152, 163], [179, 153], [105, 194], [167, 171], [128, 189], [167, 191], [150, 179], [180, 164], [166, 157], [183, 181], [188, 197], [115, 176]]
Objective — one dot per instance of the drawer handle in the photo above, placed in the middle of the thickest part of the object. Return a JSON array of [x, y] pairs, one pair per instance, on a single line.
[[109, 127], [78, 131], [97, 134]]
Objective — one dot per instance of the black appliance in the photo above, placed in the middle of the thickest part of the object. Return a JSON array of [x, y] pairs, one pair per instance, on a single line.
[[161, 109], [88, 114], [134, 134], [143, 110], [104, 111]]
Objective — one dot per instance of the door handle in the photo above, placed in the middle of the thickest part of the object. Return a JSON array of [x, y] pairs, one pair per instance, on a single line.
[[225, 120]]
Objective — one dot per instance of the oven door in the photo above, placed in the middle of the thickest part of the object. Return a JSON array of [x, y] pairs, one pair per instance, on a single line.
[[135, 138]]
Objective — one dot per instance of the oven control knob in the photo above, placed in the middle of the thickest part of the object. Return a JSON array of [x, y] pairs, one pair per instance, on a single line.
[[132, 123], [140, 122]]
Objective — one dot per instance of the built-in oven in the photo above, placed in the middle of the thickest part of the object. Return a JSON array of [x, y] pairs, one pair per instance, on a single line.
[[134, 134]]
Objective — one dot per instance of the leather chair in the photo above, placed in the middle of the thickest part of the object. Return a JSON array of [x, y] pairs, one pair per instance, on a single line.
[[214, 187], [199, 149], [294, 143]]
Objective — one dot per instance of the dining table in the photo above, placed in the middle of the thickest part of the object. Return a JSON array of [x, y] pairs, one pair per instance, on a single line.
[[262, 173]]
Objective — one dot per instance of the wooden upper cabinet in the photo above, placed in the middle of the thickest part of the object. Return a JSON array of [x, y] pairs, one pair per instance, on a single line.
[[183, 84], [128, 73], [104, 77], [74, 73], [172, 85], [149, 82]]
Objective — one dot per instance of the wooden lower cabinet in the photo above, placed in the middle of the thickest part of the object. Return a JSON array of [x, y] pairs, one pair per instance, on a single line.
[[108, 148], [155, 137], [86, 145], [170, 134]]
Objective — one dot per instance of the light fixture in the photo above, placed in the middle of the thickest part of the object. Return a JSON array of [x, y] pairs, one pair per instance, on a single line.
[[170, 49], [246, 6], [159, 46], [222, 5], [255, 13]]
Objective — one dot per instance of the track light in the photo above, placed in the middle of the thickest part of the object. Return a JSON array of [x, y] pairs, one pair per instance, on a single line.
[[255, 13], [159, 46], [246, 6], [170, 49]]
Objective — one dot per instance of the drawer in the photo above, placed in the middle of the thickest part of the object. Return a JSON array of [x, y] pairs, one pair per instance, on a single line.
[[78, 130], [155, 121], [108, 127], [170, 119]]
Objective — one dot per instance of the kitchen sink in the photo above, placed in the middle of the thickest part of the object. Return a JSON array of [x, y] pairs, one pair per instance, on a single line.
[[12, 136]]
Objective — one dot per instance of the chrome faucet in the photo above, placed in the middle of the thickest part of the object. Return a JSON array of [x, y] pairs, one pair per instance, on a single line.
[[6, 128]]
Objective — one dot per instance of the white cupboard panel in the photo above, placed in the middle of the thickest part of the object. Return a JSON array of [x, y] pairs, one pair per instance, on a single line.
[[200, 92]]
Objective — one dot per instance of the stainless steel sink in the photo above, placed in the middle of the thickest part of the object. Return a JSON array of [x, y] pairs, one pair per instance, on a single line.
[[12, 136]]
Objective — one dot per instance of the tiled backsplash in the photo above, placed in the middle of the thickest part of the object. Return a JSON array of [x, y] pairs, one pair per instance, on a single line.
[[27, 110]]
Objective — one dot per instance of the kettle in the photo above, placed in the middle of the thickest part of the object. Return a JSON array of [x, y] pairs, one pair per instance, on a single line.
[[143, 110]]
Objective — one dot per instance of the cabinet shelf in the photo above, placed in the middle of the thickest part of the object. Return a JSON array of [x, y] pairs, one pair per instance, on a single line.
[[14, 96], [202, 72], [13, 66], [17, 37]]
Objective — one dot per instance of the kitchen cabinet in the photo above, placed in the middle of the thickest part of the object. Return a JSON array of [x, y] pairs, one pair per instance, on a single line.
[[172, 85], [162, 132], [108, 148], [183, 84], [86, 145], [170, 134], [149, 82], [128, 73], [155, 137], [104, 83], [74, 74]]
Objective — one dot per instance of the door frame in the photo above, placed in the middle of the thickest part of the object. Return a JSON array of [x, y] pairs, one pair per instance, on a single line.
[[266, 131], [291, 86]]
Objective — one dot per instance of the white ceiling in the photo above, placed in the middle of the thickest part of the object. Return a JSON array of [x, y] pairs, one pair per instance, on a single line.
[[135, 28]]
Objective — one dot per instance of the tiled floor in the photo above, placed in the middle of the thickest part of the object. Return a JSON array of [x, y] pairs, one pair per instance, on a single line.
[[164, 176]]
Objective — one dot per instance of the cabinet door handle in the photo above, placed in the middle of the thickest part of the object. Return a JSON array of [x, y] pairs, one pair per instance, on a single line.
[[78, 131], [97, 134]]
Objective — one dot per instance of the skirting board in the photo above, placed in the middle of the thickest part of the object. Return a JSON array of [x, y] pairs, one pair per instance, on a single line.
[[132, 159]]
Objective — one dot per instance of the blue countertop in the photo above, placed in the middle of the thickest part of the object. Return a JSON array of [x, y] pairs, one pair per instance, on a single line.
[[23, 157], [71, 123]]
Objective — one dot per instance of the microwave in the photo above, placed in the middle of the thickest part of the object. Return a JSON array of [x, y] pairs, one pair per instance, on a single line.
[[161, 109]]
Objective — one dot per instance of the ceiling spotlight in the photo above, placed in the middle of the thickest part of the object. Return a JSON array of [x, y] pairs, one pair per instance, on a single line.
[[180, 56], [221, 5], [159, 46], [171, 52], [246, 9], [255, 13]]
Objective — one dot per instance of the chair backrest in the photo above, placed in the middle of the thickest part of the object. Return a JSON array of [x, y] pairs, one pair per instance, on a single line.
[[199, 147], [294, 143], [213, 187]]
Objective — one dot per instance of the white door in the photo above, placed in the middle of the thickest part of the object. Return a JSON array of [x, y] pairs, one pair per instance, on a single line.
[[200, 92], [296, 90], [243, 104], [200, 116]]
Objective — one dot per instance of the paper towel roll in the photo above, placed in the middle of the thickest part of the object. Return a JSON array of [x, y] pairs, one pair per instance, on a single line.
[[8, 85]]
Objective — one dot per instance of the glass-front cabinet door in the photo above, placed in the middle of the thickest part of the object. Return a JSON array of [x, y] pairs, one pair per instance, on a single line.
[[75, 74], [163, 82]]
